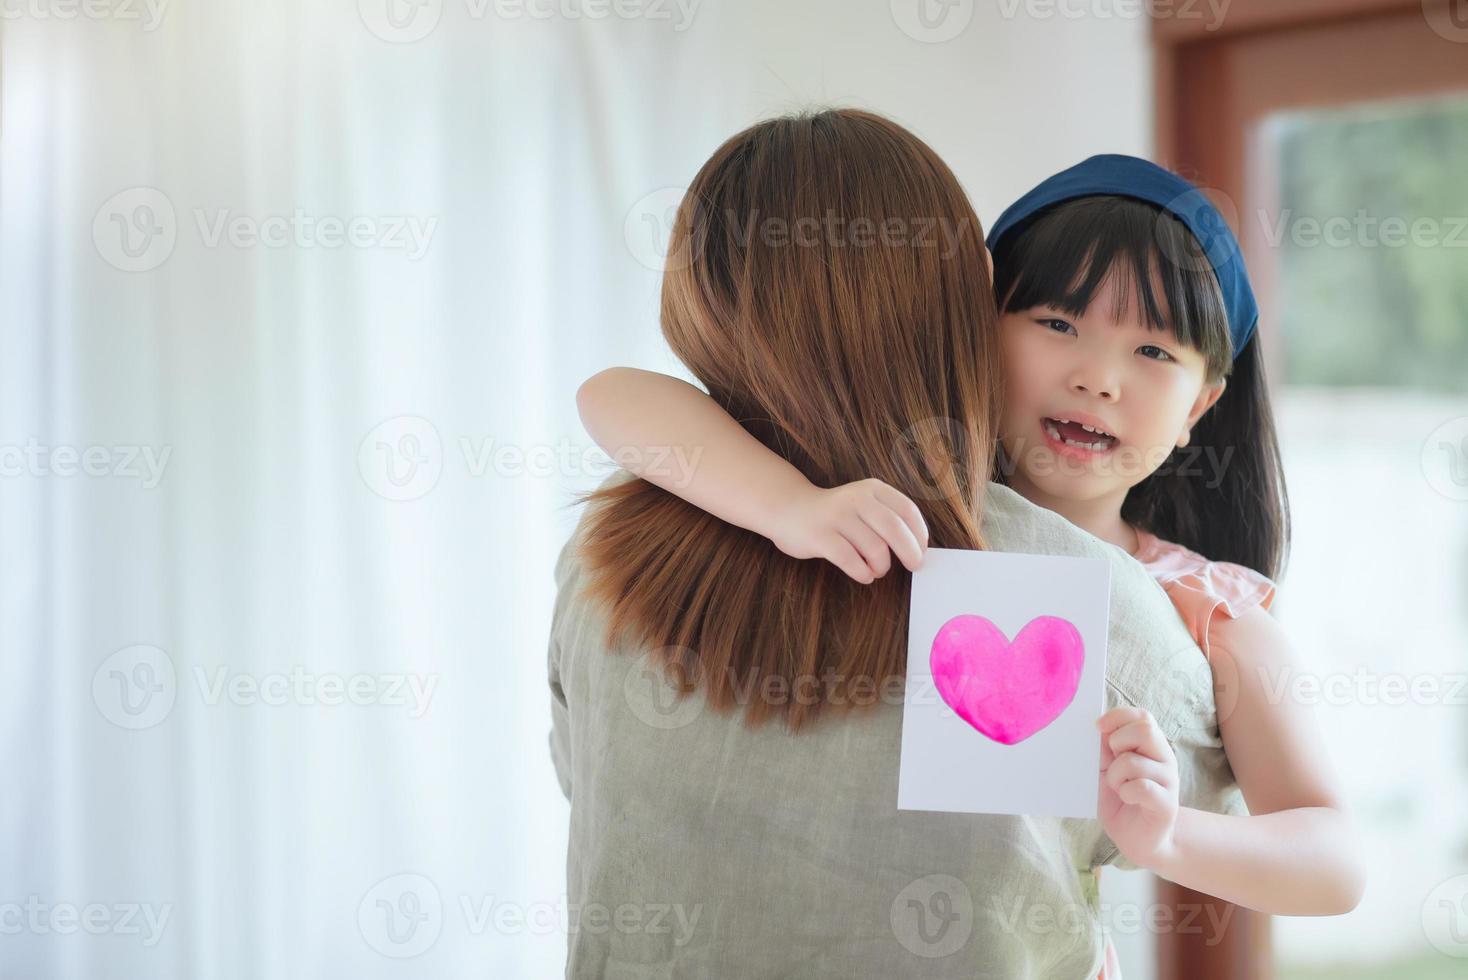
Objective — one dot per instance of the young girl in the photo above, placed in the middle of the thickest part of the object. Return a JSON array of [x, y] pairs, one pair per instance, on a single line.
[[1135, 406]]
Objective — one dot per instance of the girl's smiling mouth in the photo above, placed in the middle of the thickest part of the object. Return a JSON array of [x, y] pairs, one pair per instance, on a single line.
[[1076, 439]]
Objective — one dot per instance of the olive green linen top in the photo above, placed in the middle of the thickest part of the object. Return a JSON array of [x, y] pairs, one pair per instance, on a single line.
[[700, 847]]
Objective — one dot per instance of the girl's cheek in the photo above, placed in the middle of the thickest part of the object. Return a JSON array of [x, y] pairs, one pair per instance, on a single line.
[[1019, 380], [1014, 382], [1021, 355]]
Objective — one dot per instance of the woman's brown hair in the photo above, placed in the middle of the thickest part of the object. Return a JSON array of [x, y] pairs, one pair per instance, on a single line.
[[826, 282]]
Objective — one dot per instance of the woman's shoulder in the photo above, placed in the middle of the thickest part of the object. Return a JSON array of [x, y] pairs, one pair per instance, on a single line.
[[1196, 581]]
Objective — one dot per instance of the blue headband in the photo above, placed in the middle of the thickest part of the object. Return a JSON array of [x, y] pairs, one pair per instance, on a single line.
[[1143, 180]]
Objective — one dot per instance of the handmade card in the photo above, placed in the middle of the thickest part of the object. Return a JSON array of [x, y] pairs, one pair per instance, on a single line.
[[1006, 673]]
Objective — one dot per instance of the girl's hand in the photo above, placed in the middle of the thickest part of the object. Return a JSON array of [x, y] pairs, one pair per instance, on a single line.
[[857, 527], [1139, 786]]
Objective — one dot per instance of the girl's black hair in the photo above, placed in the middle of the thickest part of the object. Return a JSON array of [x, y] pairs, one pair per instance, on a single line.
[[1223, 495]]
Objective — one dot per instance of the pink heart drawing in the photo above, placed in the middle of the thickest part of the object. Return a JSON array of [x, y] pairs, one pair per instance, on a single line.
[[1007, 691]]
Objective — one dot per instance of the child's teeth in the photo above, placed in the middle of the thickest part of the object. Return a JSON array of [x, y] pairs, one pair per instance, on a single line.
[[1053, 429]]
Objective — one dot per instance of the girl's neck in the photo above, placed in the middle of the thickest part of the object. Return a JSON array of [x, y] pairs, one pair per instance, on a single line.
[[1100, 517]]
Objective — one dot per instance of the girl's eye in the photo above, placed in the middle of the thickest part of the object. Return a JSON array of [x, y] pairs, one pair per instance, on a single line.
[[1165, 356], [1058, 325]]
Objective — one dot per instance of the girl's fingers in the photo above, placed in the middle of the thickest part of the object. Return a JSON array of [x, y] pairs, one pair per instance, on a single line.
[[1142, 737], [868, 544], [1144, 793], [901, 505], [840, 553], [895, 533], [1116, 717], [1108, 723], [1129, 766]]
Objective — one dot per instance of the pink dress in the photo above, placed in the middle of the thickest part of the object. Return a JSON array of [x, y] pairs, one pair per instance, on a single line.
[[1200, 590]]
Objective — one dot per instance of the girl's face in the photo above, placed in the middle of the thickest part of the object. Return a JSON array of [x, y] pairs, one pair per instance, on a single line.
[[1140, 387]]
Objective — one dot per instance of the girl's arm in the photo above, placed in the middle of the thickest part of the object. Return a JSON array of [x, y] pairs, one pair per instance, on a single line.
[[1296, 853], [674, 436]]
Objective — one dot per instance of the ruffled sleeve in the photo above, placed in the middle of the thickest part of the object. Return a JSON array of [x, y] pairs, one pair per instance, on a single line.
[[1201, 589]]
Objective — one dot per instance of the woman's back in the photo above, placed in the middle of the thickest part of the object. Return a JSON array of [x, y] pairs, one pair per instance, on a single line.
[[703, 848]]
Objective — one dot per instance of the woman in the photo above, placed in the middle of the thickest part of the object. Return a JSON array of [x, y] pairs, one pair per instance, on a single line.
[[726, 719]]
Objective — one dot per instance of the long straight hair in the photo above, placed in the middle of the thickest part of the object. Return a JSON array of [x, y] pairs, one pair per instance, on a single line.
[[1223, 495], [826, 283]]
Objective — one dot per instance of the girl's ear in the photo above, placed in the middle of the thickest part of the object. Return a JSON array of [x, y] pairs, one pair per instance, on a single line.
[[1205, 400]]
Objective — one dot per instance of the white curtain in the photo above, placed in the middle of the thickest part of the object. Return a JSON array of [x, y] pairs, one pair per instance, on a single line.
[[294, 298]]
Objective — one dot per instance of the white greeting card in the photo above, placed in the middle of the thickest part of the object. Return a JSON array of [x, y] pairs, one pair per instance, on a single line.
[[1006, 673]]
